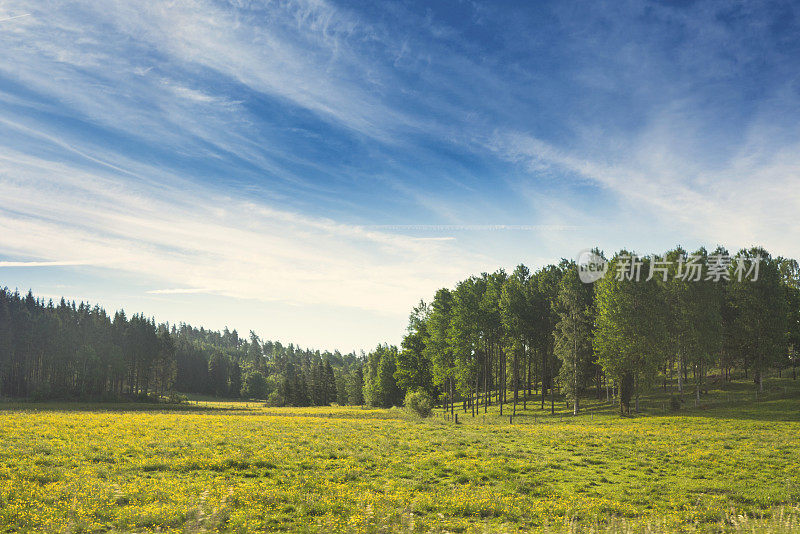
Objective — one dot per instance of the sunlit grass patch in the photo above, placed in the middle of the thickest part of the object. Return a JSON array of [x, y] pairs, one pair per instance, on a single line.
[[241, 467]]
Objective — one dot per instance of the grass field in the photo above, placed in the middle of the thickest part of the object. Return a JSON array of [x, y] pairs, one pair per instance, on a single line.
[[241, 467]]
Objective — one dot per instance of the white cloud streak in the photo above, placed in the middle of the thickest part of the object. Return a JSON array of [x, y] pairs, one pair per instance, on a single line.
[[44, 263], [197, 238], [143, 69], [748, 201], [182, 291], [15, 17]]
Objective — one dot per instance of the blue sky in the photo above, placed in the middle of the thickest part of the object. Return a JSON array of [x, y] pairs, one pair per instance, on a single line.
[[311, 169]]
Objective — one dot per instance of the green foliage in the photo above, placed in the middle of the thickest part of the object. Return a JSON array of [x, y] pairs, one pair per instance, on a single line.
[[294, 390], [355, 387], [514, 310], [760, 314], [322, 384], [490, 335], [218, 369], [276, 399], [255, 386], [413, 367], [464, 335], [177, 398], [380, 386], [573, 342], [419, 402], [520, 332], [630, 334], [69, 351], [341, 389], [235, 381], [437, 349]]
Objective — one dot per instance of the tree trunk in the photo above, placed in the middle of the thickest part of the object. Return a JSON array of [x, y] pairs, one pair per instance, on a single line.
[[544, 374], [697, 392], [599, 377], [552, 396], [505, 379], [684, 370], [487, 366], [476, 408], [574, 369], [514, 379], [501, 379], [452, 400], [529, 364], [527, 377]]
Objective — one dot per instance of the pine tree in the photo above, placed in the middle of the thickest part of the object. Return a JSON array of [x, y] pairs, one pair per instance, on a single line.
[[235, 387], [413, 366], [329, 383], [355, 392], [630, 330], [573, 344], [761, 316]]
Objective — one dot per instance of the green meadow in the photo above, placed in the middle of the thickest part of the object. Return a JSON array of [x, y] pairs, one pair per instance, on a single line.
[[729, 464]]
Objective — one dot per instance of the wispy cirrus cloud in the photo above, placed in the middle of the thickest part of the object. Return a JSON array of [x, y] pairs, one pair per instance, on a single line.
[[182, 291], [685, 134], [4, 19], [56, 263], [204, 242], [744, 202], [316, 153]]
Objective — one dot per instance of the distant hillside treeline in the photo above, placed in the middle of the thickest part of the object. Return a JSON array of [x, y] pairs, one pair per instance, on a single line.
[[69, 351]]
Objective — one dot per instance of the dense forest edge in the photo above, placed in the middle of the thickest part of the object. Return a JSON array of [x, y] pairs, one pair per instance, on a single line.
[[496, 339]]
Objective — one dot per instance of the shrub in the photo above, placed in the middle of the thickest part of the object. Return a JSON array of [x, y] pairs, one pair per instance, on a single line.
[[145, 398], [177, 398], [419, 402], [275, 399], [674, 403]]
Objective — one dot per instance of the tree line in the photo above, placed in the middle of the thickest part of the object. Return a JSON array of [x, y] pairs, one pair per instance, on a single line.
[[507, 338], [498, 338], [69, 351]]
